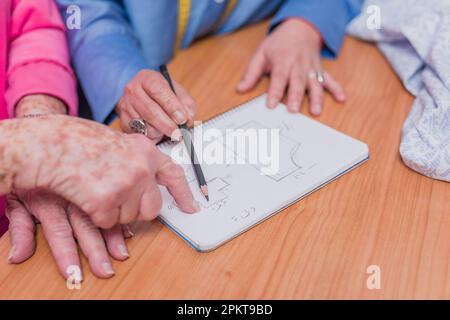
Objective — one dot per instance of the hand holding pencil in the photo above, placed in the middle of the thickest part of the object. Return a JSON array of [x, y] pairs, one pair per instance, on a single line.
[[149, 97], [188, 142]]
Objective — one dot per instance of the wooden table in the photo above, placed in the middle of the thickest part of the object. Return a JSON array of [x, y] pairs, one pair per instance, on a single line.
[[381, 214]]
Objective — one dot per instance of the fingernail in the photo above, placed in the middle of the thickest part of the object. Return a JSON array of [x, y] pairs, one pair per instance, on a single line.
[[315, 110], [196, 206], [294, 107], [241, 85], [129, 231], [10, 254], [123, 250], [179, 117], [176, 135], [107, 268], [272, 103]]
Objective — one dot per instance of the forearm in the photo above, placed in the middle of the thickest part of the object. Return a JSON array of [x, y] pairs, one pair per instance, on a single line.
[[114, 69], [38, 58], [107, 44]]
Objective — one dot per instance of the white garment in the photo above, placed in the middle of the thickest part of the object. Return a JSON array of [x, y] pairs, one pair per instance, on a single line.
[[414, 35]]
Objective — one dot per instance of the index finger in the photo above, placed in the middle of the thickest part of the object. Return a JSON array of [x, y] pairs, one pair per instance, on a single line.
[[278, 82], [254, 72], [91, 242], [173, 178], [188, 102], [159, 90], [21, 230], [58, 232]]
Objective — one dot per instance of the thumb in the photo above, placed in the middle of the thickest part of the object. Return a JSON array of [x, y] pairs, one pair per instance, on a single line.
[[21, 230], [188, 101], [254, 72]]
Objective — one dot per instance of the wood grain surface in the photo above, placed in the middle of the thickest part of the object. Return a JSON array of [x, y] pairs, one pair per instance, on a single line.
[[380, 214]]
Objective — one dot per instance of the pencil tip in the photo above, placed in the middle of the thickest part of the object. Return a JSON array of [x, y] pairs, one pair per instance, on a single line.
[[204, 189]]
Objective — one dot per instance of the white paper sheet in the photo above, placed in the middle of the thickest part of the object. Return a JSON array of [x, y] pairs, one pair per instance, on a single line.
[[310, 155]]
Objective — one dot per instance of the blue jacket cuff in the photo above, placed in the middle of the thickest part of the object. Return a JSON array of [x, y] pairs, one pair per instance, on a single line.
[[105, 66], [332, 27]]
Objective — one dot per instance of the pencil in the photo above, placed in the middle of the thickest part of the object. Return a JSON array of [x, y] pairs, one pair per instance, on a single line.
[[188, 142]]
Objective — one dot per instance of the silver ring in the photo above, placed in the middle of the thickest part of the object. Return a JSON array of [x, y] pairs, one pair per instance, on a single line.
[[138, 126], [318, 75]]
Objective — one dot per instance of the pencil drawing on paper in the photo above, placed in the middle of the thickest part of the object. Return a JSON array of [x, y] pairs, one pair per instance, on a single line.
[[218, 193], [219, 196], [294, 161], [290, 164]]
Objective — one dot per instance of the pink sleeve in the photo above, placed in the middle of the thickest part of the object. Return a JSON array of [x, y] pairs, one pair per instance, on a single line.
[[38, 57], [3, 218]]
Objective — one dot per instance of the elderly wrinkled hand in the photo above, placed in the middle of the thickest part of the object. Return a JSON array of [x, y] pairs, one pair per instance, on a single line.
[[113, 177], [291, 54], [62, 224], [73, 175], [148, 96]]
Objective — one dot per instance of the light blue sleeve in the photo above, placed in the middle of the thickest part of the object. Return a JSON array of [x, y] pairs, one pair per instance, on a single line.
[[105, 53], [330, 17]]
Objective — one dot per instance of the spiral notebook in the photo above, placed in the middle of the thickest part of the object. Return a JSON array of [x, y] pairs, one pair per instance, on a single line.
[[257, 161]]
